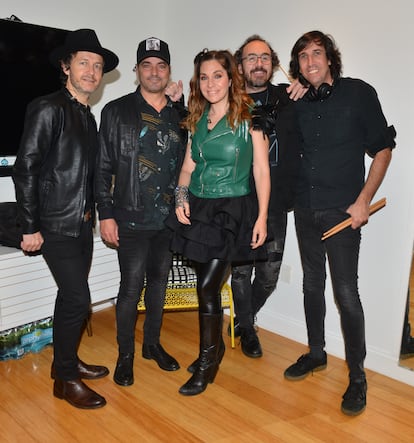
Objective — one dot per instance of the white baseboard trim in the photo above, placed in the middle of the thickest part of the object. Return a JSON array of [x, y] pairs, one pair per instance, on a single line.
[[376, 358]]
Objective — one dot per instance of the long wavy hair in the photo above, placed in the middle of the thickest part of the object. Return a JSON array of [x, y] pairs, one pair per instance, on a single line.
[[239, 101], [321, 39]]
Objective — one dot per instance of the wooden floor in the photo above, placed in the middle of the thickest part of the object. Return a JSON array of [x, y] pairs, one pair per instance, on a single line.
[[250, 400]]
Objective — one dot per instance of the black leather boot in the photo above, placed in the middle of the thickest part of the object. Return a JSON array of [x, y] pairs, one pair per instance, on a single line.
[[194, 364], [222, 347], [124, 372], [250, 343], [205, 372]]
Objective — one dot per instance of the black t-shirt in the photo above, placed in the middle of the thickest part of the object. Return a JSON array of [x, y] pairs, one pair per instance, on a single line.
[[283, 146], [92, 151]]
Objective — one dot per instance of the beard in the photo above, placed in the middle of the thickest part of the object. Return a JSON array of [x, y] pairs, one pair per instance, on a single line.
[[153, 83], [256, 83], [253, 82]]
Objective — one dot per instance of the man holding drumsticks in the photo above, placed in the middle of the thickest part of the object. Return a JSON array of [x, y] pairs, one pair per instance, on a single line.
[[340, 120]]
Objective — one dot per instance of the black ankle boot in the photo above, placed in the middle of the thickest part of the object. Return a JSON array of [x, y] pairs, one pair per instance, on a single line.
[[210, 337], [124, 373], [222, 347], [250, 343]]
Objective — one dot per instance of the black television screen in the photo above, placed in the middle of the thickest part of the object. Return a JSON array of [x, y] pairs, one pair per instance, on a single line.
[[25, 73]]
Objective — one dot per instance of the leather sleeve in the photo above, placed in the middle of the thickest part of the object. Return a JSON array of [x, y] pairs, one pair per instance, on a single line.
[[35, 144], [106, 160]]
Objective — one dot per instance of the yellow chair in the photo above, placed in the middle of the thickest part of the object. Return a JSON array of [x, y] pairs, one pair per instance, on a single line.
[[181, 293]]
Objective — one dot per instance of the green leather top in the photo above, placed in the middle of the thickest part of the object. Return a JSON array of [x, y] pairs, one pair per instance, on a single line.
[[223, 160]]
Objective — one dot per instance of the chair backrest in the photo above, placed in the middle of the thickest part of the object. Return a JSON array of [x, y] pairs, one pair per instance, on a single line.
[[181, 292]]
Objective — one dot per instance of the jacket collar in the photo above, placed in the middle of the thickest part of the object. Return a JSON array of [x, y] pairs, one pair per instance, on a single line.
[[75, 101], [141, 99]]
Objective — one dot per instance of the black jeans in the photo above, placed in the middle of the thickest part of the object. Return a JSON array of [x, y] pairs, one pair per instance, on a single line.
[[249, 297], [342, 251], [144, 256], [69, 260]]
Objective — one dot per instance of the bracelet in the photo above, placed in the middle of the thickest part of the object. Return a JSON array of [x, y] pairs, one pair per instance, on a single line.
[[181, 196]]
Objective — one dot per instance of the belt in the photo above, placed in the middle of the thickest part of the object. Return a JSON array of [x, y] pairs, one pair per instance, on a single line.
[[87, 216]]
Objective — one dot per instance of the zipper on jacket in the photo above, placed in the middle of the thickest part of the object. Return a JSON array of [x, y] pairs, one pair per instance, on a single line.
[[200, 151], [236, 163]]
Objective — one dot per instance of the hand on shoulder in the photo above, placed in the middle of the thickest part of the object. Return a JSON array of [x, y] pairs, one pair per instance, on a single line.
[[296, 90], [174, 90]]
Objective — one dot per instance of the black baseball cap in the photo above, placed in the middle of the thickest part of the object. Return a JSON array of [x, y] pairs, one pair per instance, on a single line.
[[153, 47]]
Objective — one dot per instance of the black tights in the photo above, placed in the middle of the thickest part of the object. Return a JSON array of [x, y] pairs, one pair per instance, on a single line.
[[210, 278]]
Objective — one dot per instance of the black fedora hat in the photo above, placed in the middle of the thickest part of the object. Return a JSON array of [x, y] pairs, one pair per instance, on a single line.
[[84, 40]]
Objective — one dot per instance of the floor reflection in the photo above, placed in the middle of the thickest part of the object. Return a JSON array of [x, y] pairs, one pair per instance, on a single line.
[[407, 360]]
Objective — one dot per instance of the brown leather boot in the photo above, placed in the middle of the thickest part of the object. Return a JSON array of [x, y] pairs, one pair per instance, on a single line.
[[77, 394], [87, 372]]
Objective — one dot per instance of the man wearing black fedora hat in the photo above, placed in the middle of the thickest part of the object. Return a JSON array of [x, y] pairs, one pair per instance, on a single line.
[[141, 146], [53, 177]]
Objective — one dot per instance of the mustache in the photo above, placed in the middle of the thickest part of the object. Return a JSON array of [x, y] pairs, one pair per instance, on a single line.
[[259, 70]]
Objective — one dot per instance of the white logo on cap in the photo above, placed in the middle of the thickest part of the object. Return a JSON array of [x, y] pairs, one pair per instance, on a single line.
[[152, 44]]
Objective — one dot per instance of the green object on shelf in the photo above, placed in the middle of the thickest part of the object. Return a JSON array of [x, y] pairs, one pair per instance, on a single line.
[[31, 337]]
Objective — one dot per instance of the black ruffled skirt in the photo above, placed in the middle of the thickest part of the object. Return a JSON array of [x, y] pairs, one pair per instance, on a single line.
[[220, 228]]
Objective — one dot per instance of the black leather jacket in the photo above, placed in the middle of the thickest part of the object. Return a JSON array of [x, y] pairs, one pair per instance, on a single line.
[[119, 132], [51, 167]]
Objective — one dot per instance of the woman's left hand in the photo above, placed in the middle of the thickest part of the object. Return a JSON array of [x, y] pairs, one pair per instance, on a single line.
[[183, 213], [259, 234]]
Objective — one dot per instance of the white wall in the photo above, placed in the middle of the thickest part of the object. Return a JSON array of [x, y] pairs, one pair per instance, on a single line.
[[376, 45]]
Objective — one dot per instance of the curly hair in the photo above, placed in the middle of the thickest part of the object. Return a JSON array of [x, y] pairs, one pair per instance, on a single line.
[[238, 55], [240, 102], [321, 39]]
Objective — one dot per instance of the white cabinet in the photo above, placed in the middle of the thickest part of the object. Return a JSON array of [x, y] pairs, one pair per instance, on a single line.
[[28, 291]]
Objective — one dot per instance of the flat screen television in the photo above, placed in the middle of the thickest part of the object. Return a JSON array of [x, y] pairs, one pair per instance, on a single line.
[[25, 73]]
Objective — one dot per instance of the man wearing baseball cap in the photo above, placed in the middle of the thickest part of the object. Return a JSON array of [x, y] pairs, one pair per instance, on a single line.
[[53, 177], [140, 154]]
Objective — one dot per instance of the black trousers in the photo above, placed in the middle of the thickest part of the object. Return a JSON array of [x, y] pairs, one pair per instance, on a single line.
[[69, 260], [342, 251], [144, 257], [249, 297]]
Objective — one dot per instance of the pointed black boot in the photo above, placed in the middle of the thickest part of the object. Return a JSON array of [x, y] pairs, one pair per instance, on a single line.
[[208, 363], [222, 347]]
